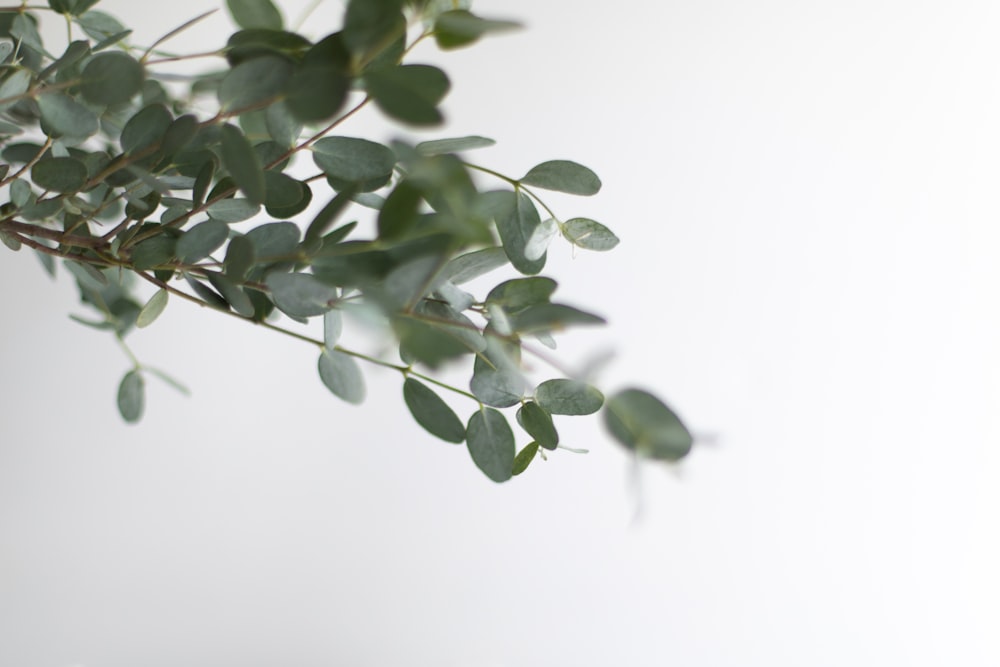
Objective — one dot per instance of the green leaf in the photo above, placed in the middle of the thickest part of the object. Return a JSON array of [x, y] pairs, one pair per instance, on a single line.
[[342, 376], [333, 326], [524, 458], [234, 295], [552, 317], [240, 257], [15, 84], [254, 82], [370, 24], [539, 241], [326, 217], [361, 162], [241, 161], [99, 25], [156, 304], [301, 294], [568, 397], [516, 219], [23, 29], [589, 234], [281, 125], [207, 294], [232, 210], [643, 423], [431, 412], [473, 264], [11, 241], [496, 377], [111, 78], [255, 14], [444, 146], [201, 241], [181, 131], [491, 444], [285, 197], [274, 240], [145, 128], [59, 174], [460, 27], [317, 93], [409, 93], [400, 211], [64, 116], [521, 293], [132, 396], [537, 422], [563, 176], [421, 342]]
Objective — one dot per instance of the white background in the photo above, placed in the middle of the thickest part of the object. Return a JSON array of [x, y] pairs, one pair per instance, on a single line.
[[806, 196]]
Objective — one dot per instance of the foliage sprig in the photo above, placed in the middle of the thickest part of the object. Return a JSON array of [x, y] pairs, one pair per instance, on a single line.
[[119, 172]]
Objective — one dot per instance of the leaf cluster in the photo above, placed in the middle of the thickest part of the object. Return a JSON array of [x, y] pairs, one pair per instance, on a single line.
[[246, 209]]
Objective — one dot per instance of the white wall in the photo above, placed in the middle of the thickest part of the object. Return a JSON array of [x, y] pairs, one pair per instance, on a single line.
[[806, 197]]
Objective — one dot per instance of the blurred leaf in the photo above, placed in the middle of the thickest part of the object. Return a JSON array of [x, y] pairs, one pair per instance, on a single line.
[[240, 257], [442, 146], [111, 78], [568, 397], [491, 444], [156, 304], [642, 422], [516, 219], [319, 85], [409, 93], [459, 27], [341, 375], [546, 317], [281, 125], [255, 14], [471, 265], [563, 176], [254, 82], [15, 84], [370, 24], [241, 162], [519, 294], [145, 128], [132, 396], [431, 412]]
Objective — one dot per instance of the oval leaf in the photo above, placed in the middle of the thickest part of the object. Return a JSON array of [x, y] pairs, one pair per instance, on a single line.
[[525, 457], [342, 376], [301, 294], [59, 174], [643, 423], [537, 422], [66, 117], [255, 14], [156, 304], [491, 444], [242, 162], [563, 176], [201, 241], [569, 397], [132, 396], [432, 412], [589, 234], [353, 160]]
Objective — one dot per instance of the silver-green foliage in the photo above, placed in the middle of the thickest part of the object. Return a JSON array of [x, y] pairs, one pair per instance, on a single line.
[[131, 182]]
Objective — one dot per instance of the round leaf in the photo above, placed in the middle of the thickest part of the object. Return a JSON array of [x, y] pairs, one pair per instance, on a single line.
[[111, 78], [201, 241], [66, 117], [254, 82], [255, 14], [353, 160]]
